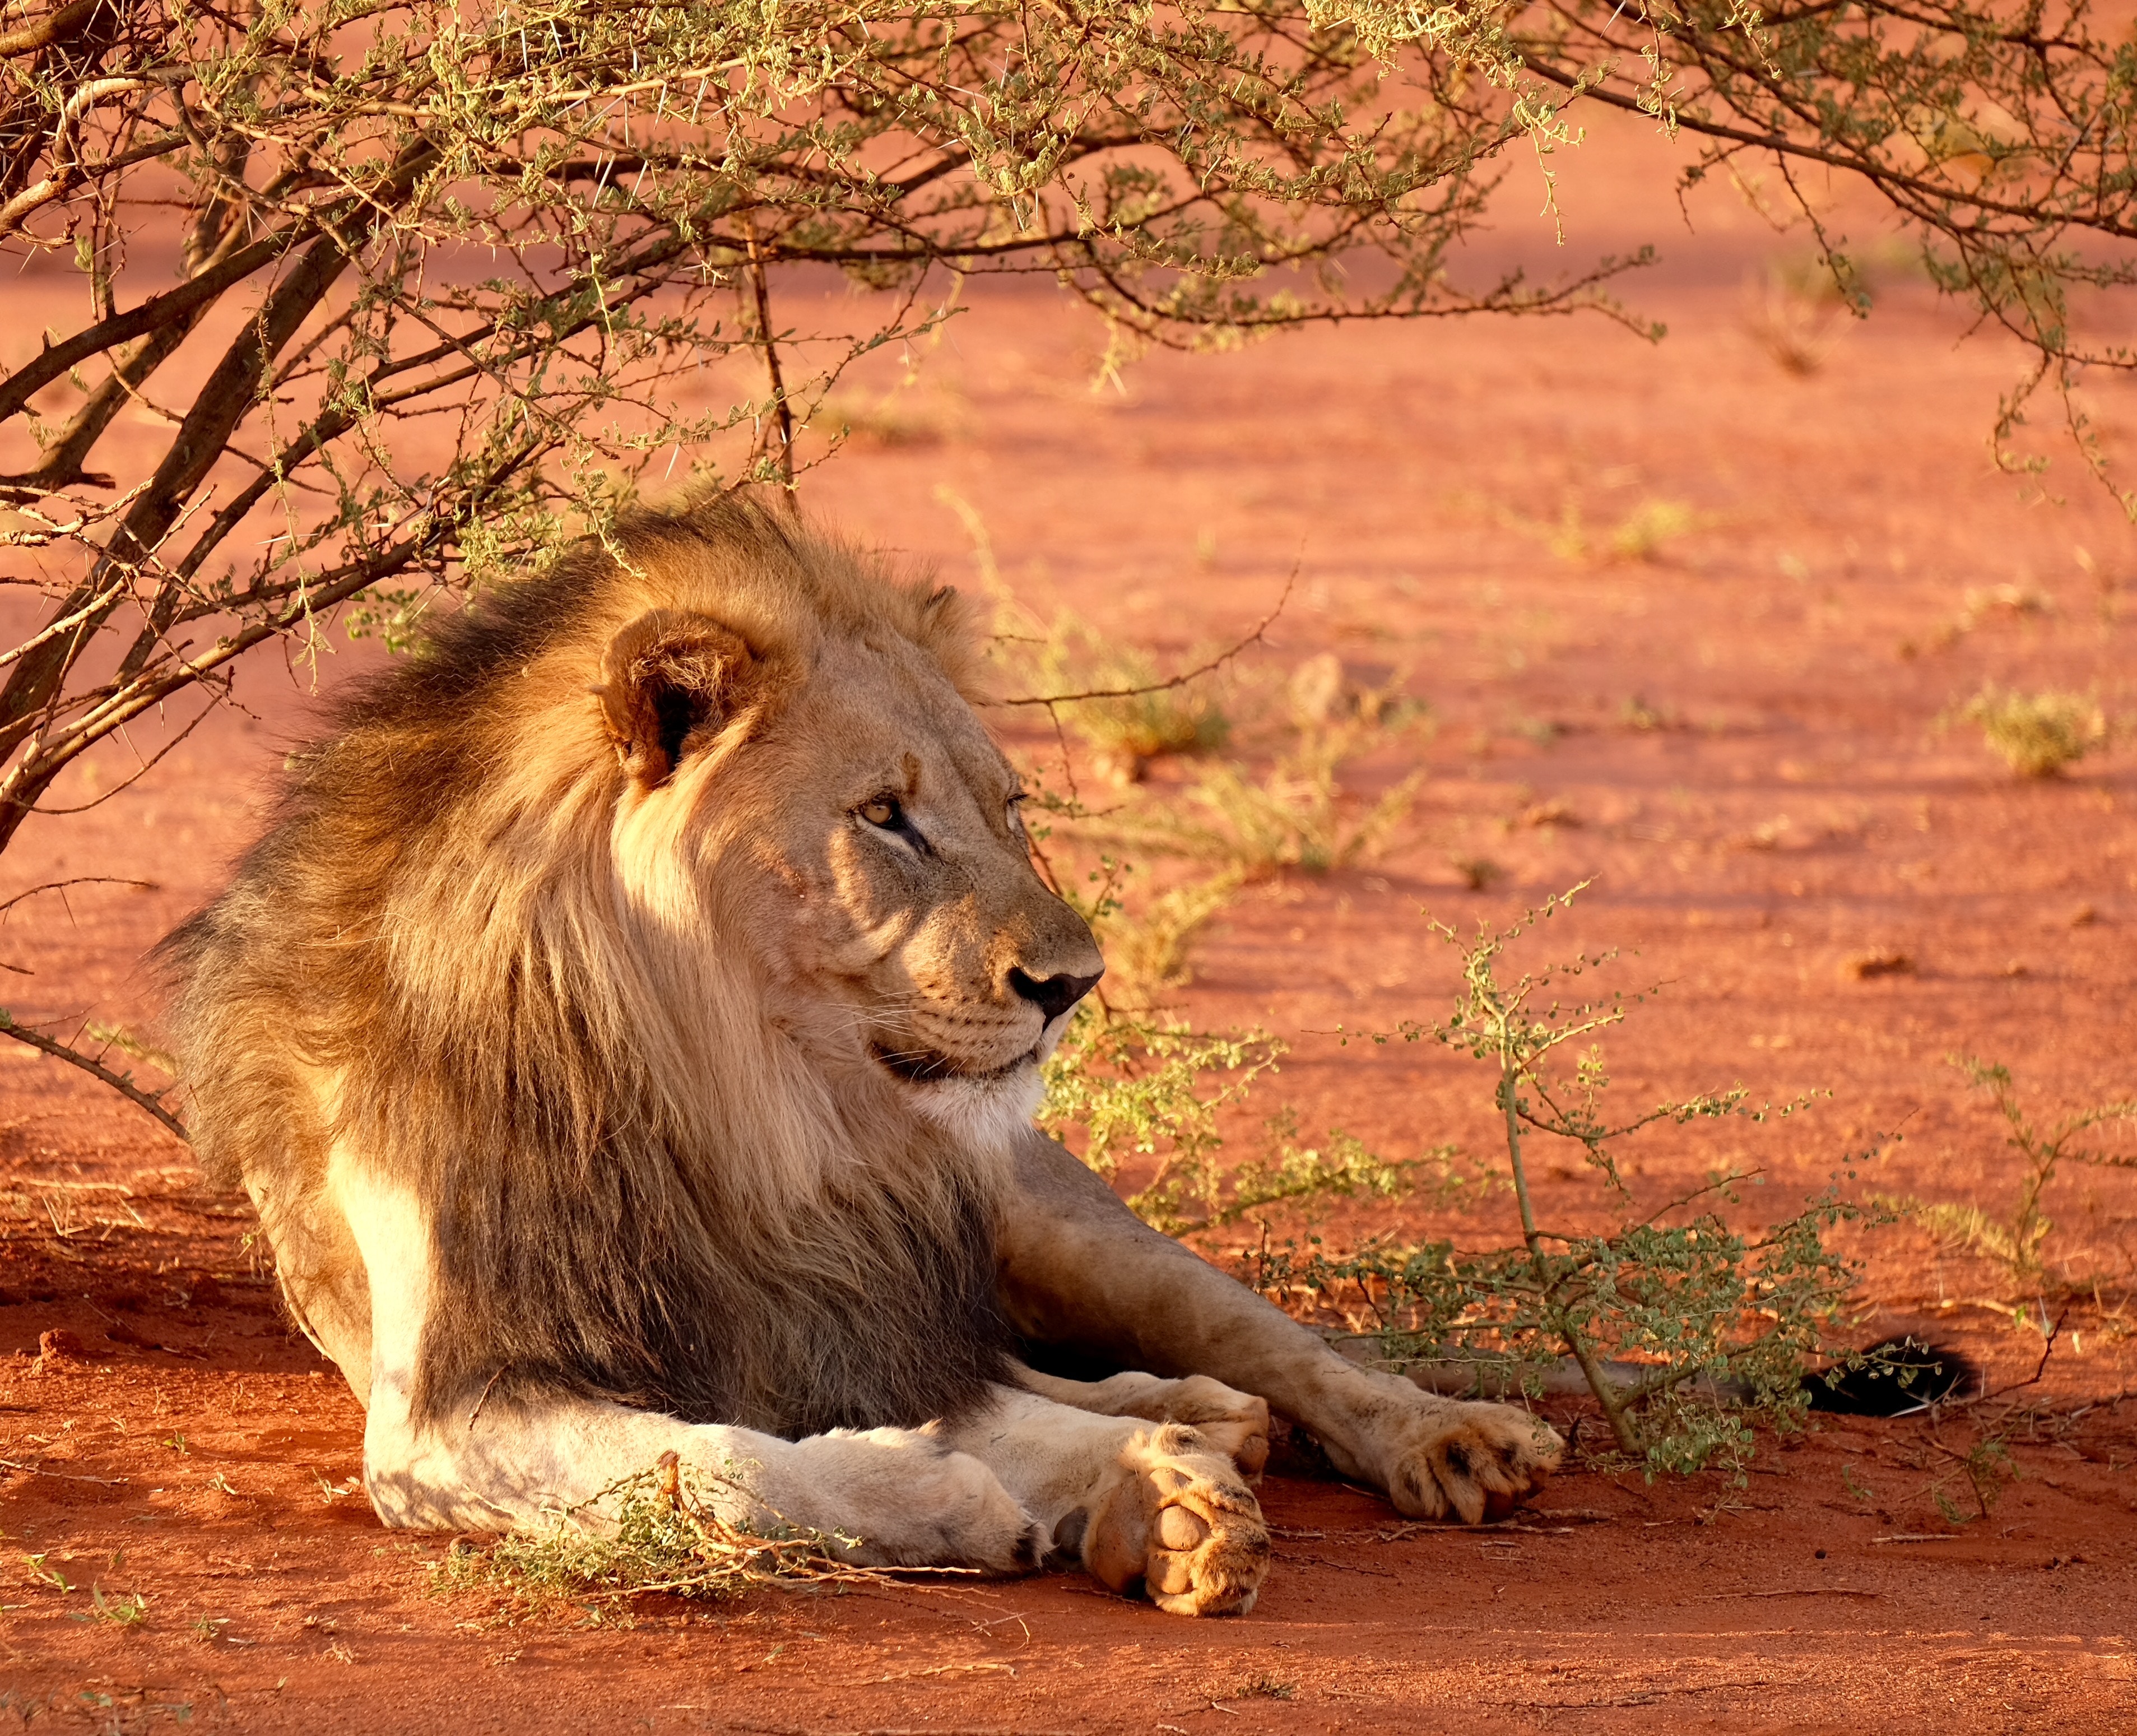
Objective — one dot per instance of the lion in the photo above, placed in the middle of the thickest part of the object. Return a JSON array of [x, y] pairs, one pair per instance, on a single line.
[[628, 1028]]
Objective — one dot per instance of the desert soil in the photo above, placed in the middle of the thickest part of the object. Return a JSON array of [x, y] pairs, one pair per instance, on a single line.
[[1735, 738]]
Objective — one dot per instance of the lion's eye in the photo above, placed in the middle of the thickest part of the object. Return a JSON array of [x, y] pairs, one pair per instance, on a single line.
[[884, 811]]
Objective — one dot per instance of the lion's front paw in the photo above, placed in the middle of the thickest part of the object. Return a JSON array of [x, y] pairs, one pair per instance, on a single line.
[[903, 1498], [1180, 1522], [1478, 1460]]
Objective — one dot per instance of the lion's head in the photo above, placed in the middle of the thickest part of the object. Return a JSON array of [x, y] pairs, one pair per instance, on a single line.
[[666, 927], [804, 770]]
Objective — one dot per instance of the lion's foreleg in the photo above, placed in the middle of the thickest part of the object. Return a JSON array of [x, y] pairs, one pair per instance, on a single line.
[[1079, 1269], [1154, 1508], [1236, 1424], [902, 1497], [885, 1497]]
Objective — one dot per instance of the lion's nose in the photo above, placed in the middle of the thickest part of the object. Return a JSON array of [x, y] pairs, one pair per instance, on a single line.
[[1053, 996]]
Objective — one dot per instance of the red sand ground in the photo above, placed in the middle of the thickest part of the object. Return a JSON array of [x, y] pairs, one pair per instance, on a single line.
[[1795, 808]]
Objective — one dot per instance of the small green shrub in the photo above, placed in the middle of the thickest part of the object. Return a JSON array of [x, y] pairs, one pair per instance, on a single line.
[[1298, 813], [1678, 1319], [2037, 734], [1137, 1088], [1704, 1313], [1152, 1089], [128, 1610], [2015, 1236], [652, 1532]]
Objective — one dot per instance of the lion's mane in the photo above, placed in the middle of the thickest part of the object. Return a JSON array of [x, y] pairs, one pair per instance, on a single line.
[[425, 962]]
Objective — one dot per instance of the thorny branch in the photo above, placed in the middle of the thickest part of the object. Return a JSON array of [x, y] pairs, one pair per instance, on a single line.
[[532, 232], [122, 1082], [1252, 638]]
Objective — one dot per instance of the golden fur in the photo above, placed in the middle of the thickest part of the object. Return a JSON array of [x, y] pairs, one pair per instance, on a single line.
[[576, 927], [628, 1029]]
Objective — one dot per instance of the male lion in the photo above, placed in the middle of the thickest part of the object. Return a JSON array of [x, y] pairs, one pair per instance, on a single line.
[[628, 1029]]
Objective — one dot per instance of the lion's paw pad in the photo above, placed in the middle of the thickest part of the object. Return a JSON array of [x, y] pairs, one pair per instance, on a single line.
[[1180, 1522], [1479, 1460]]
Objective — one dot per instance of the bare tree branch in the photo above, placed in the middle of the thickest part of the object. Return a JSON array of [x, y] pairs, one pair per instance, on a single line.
[[122, 1082]]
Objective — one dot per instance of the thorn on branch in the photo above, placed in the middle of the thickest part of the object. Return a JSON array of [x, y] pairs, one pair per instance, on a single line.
[[122, 1082], [1215, 663]]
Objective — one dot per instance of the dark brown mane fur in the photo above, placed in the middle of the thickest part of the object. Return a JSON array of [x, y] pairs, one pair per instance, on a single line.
[[427, 929]]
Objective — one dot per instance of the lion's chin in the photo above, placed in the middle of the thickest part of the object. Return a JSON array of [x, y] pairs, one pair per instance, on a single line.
[[984, 1111]]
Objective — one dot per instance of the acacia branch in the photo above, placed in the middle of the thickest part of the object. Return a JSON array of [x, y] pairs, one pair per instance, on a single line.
[[54, 27], [186, 302], [1182, 680], [1885, 178], [122, 1082], [79, 879]]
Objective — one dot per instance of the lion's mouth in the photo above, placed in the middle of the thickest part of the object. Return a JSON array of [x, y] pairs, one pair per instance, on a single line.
[[926, 1067]]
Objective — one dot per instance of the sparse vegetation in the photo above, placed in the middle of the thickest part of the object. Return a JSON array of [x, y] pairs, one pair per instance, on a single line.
[[2038, 734], [1636, 715], [1298, 814], [901, 417], [1107, 692], [1540, 816], [1648, 529], [1675, 1317], [1147, 951], [1643, 533], [1150, 719], [1147, 943], [2005, 601], [1879, 962], [1794, 311], [654, 1532], [128, 1610], [2015, 1234], [1127, 1087], [1124, 1090], [1704, 1313]]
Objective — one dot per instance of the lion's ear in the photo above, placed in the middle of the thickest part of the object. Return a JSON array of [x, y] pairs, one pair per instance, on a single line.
[[666, 677]]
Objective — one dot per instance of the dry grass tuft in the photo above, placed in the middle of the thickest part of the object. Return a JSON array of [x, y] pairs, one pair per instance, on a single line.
[[1556, 811], [649, 1534], [1147, 952], [1644, 533], [1125, 733], [2039, 733], [898, 418], [1298, 813], [1795, 312]]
